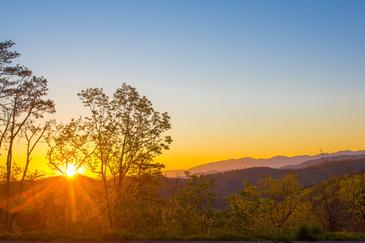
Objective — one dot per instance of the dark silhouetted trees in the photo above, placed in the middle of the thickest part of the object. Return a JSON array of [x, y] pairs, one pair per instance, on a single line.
[[23, 99], [128, 134]]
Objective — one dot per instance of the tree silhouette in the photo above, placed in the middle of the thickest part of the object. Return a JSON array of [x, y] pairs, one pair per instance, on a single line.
[[23, 98], [128, 134]]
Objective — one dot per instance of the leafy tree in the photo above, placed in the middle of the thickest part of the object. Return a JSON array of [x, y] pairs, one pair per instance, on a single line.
[[269, 207], [352, 193], [243, 210], [327, 204], [190, 210], [128, 134], [280, 198], [142, 207]]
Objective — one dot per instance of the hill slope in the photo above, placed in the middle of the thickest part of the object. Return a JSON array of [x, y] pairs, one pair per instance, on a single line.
[[230, 182]]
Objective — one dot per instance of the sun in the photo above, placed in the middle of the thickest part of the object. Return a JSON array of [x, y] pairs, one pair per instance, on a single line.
[[72, 170]]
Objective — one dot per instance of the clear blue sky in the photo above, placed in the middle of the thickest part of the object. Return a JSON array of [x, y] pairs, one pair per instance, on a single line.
[[239, 78]]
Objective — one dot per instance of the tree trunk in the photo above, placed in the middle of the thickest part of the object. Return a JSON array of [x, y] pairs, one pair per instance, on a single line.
[[8, 186]]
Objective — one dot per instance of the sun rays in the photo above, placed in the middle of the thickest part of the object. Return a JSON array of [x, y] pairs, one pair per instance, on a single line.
[[75, 197]]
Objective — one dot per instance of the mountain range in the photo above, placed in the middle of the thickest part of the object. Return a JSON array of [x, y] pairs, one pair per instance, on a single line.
[[284, 162], [231, 182]]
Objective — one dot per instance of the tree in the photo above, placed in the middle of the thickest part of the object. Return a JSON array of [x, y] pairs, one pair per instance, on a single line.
[[352, 193], [190, 210], [281, 198], [268, 207], [23, 98], [327, 203], [128, 134], [243, 210]]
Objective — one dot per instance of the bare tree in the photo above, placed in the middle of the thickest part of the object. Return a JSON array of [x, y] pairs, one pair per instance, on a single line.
[[22, 98], [33, 135]]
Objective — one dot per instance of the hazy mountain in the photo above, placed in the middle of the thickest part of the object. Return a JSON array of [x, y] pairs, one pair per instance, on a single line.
[[325, 159], [248, 162]]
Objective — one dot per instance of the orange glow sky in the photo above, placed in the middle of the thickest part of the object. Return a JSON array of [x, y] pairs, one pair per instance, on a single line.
[[238, 78]]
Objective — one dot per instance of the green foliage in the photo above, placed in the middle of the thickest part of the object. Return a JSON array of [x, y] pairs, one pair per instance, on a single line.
[[343, 236], [190, 210], [271, 207]]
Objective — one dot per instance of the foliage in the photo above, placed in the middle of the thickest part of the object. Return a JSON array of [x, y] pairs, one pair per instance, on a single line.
[[271, 206], [190, 209], [189, 212]]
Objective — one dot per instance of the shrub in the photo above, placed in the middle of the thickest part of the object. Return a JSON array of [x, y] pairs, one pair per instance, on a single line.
[[308, 232], [343, 236]]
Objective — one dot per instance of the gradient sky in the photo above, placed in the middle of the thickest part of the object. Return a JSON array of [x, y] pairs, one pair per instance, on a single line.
[[239, 78]]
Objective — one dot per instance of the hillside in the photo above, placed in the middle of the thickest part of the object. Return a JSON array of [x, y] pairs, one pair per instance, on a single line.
[[232, 181]]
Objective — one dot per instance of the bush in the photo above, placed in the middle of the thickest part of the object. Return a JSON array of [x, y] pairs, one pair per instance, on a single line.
[[308, 232], [343, 236]]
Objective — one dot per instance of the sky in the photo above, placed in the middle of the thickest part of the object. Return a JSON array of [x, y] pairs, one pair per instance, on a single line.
[[239, 78]]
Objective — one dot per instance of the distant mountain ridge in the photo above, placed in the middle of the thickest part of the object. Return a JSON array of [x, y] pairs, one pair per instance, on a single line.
[[294, 162], [324, 159]]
